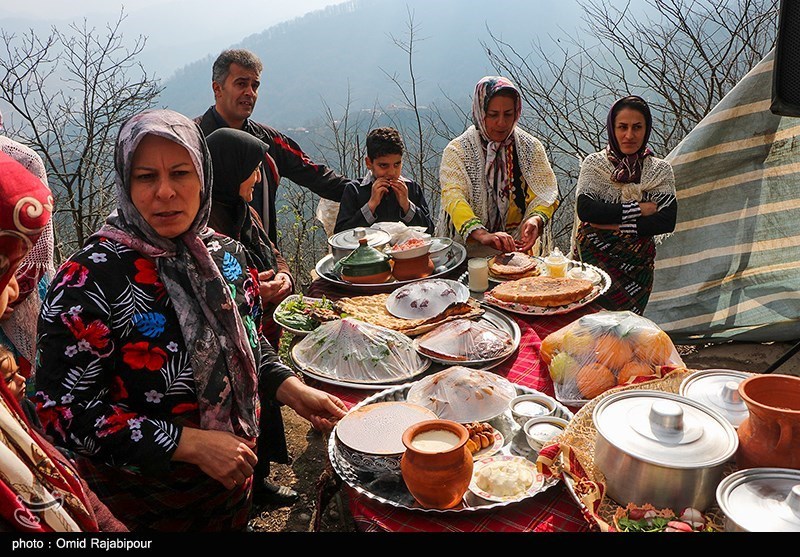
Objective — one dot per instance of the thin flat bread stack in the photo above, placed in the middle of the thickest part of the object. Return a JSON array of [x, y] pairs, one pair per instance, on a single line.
[[464, 340], [513, 266], [543, 291], [372, 309]]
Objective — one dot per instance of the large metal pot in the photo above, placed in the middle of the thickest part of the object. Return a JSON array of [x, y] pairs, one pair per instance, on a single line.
[[344, 242], [661, 448]]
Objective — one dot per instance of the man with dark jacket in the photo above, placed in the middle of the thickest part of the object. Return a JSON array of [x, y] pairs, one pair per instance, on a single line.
[[235, 80]]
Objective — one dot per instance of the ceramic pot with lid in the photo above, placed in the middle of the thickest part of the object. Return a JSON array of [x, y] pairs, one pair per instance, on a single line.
[[365, 265], [761, 500], [344, 242], [661, 448], [770, 435]]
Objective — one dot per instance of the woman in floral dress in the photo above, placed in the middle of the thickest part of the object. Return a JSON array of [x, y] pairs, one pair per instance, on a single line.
[[150, 355]]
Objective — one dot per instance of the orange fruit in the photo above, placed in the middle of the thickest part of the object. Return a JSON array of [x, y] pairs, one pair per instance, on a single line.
[[613, 351], [632, 369], [551, 345], [593, 379], [652, 346]]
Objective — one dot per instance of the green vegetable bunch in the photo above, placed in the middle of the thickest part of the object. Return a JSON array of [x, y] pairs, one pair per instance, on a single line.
[[295, 312]]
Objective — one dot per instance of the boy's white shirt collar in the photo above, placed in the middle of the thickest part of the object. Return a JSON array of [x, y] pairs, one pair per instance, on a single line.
[[368, 179]]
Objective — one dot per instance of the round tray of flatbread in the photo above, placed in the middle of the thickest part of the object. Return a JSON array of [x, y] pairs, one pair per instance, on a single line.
[[528, 296]]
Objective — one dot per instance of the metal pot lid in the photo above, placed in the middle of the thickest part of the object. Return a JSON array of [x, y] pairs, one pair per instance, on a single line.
[[665, 429], [348, 239], [762, 499], [719, 390]]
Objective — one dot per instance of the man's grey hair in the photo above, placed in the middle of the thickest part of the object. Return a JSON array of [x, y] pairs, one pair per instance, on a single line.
[[222, 65]]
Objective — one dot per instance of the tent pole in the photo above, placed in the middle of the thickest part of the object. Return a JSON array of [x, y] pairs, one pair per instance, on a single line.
[[782, 360]]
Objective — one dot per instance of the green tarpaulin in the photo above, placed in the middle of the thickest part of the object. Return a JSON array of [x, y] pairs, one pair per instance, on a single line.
[[731, 271]]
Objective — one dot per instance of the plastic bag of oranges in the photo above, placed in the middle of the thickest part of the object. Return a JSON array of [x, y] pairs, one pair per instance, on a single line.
[[603, 350]]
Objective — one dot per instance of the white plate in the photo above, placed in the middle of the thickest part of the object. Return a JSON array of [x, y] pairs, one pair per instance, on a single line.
[[428, 291], [297, 332], [525, 309], [499, 441], [535, 487], [456, 255], [496, 319]]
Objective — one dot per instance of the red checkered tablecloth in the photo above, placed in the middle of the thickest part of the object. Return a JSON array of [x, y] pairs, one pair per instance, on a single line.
[[551, 511]]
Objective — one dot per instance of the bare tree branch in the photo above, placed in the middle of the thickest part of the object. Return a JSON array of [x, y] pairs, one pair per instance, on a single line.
[[69, 93]]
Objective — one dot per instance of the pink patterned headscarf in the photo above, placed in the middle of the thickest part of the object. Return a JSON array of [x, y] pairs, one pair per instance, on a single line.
[[498, 153]]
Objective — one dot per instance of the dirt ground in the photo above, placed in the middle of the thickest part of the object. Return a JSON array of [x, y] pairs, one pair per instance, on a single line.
[[308, 448]]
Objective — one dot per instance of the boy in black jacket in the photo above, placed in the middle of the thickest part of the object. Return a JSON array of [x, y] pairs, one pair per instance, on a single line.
[[384, 195]]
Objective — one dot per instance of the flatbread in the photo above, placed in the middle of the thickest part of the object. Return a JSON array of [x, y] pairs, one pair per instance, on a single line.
[[514, 265], [372, 309], [464, 340], [543, 291]]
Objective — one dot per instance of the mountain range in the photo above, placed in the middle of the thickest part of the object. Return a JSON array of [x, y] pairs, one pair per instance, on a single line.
[[352, 50]]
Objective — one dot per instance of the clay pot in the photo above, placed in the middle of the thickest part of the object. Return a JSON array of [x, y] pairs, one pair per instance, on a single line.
[[365, 265], [770, 435], [413, 268], [437, 477]]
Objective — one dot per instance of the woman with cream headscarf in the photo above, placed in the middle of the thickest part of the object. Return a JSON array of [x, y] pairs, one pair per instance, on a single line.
[[498, 189]]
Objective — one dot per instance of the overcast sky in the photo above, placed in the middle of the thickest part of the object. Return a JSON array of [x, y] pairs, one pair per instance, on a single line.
[[178, 31], [251, 12]]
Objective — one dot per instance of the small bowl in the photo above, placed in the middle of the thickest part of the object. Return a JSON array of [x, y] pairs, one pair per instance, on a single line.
[[525, 407], [540, 431], [440, 248], [410, 253]]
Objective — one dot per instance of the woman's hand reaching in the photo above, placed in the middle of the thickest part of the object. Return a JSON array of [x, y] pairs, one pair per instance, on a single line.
[[531, 229], [323, 410], [501, 241], [222, 455]]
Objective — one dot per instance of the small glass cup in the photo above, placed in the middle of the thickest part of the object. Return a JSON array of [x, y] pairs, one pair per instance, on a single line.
[[478, 269], [556, 264]]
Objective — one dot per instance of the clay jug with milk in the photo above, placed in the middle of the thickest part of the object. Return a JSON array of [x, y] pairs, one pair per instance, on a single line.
[[437, 465]]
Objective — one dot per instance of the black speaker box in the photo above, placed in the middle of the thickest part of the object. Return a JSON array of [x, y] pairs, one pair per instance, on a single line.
[[786, 71]]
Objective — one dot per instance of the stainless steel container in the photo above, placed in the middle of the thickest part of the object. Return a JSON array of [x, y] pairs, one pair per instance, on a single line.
[[719, 390], [761, 500], [346, 241], [661, 448]]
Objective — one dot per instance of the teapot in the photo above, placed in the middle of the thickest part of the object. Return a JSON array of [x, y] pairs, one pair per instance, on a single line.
[[770, 435]]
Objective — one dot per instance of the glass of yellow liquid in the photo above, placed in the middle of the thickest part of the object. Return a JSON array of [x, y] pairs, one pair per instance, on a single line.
[[556, 263]]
